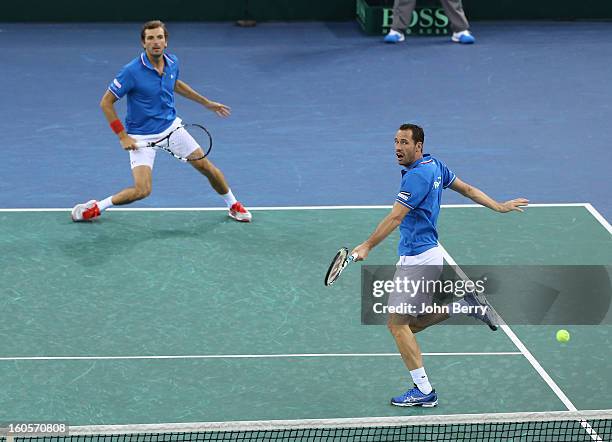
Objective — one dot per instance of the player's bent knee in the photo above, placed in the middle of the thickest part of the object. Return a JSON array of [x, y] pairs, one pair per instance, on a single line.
[[142, 192]]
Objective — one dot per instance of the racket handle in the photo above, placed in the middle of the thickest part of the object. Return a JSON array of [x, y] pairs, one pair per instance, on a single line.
[[140, 144], [353, 257]]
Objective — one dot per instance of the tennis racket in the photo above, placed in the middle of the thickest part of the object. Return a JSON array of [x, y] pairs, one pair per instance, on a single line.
[[184, 134], [338, 264]]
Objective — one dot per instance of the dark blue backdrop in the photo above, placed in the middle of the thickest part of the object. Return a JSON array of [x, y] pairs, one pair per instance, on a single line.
[[524, 112]]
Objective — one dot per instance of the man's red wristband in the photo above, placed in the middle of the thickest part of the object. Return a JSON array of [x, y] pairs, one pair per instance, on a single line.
[[117, 127]]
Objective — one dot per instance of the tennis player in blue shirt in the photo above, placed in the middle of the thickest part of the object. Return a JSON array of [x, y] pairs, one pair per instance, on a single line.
[[149, 82], [416, 211]]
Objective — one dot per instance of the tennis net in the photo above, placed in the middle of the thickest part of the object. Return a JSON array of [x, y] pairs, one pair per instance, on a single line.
[[595, 425]]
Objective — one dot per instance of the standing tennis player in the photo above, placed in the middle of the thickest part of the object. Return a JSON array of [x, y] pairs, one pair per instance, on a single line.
[[416, 212], [149, 82]]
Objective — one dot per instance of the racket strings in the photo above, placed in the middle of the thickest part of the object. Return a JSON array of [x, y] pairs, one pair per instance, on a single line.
[[338, 264], [338, 267]]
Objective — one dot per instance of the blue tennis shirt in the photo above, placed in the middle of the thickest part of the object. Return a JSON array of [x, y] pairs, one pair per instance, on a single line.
[[421, 192], [150, 96]]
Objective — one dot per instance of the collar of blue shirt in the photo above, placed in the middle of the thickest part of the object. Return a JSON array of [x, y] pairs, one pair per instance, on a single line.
[[145, 61], [425, 158]]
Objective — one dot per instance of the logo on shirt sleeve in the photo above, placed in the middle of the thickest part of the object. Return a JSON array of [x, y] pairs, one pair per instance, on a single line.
[[404, 195], [116, 83]]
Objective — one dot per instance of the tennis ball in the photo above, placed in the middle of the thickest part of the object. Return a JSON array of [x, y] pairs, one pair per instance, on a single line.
[[563, 336]]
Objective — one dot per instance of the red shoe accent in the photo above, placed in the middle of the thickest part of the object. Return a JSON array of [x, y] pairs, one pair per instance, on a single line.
[[239, 213], [92, 212], [237, 207]]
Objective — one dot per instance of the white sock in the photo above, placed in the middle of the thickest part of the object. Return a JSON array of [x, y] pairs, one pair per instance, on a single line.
[[105, 203], [229, 198], [420, 379], [461, 303]]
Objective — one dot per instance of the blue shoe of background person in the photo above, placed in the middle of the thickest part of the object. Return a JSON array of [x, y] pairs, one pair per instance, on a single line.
[[394, 37], [490, 317], [416, 398], [463, 37]]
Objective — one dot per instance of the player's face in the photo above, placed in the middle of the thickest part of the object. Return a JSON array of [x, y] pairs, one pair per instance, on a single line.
[[154, 42], [406, 150]]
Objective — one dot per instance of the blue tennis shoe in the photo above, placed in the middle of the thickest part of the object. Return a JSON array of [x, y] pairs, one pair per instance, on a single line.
[[394, 37], [463, 37], [416, 397]]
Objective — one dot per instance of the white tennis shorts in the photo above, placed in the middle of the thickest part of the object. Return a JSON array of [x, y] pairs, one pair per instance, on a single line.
[[145, 156], [426, 266]]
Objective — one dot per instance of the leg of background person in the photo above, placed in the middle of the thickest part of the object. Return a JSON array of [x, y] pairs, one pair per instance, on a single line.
[[455, 14], [402, 13]]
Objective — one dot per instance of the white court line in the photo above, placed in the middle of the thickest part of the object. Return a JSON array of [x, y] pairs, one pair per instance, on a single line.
[[279, 356], [271, 208], [599, 217], [532, 360]]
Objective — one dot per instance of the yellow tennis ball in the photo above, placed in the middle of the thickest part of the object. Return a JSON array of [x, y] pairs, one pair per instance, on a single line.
[[563, 336]]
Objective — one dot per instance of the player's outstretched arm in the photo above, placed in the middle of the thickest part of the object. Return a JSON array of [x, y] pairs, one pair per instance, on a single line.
[[386, 226], [478, 196], [182, 88]]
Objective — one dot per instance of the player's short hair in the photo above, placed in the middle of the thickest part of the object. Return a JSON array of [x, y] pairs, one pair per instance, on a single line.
[[153, 24], [417, 132]]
